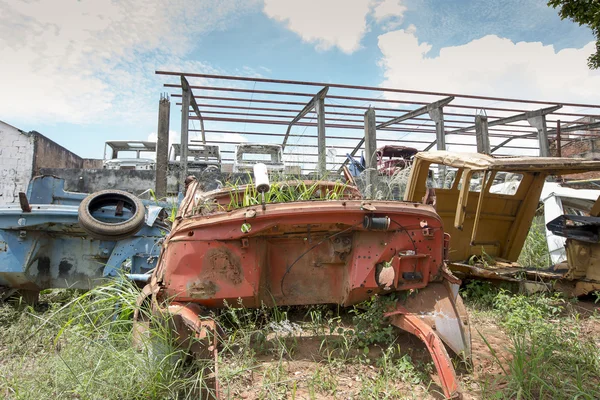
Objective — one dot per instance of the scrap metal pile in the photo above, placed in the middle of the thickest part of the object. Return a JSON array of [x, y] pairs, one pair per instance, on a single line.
[[464, 215]]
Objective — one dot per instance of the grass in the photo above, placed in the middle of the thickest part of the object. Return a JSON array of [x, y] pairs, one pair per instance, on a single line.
[[535, 252], [78, 346], [279, 192], [547, 356], [81, 348]]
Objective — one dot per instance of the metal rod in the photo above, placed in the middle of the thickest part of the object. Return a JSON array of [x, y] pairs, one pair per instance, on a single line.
[[558, 149], [515, 118], [579, 127], [248, 114], [246, 100], [313, 103], [373, 88], [186, 86], [417, 112], [242, 107], [185, 112], [357, 121], [276, 122], [379, 140]]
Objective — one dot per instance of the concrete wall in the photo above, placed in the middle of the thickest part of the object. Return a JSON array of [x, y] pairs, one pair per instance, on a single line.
[[49, 154], [92, 163], [16, 162], [136, 182], [25, 154]]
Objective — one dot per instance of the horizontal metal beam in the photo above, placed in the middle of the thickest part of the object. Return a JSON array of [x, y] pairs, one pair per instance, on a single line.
[[248, 108], [501, 132], [353, 107], [417, 112], [514, 118], [581, 127], [345, 147], [372, 88], [332, 137]]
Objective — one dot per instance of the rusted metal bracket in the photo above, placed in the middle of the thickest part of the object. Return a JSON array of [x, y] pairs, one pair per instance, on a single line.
[[25, 206], [203, 345], [411, 323]]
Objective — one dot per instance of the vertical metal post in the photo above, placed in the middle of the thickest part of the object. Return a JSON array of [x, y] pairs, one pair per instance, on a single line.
[[162, 146], [185, 113], [539, 123], [371, 152], [481, 134], [558, 138], [321, 141], [437, 115]]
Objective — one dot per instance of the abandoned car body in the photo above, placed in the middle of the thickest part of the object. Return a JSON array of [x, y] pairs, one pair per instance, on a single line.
[[44, 244], [129, 146], [200, 157], [562, 200], [247, 155], [391, 159], [488, 226], [312, 252]]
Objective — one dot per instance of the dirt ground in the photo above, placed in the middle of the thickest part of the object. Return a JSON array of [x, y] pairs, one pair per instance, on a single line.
[[348, 380]]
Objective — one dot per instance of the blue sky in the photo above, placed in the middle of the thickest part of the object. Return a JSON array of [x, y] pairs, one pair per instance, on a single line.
[[82, 72]]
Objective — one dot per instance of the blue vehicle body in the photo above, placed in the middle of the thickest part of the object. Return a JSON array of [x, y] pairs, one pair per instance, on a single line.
[[46, 247]]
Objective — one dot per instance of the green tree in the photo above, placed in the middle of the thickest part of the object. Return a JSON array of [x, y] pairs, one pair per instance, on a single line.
[[584, 12]]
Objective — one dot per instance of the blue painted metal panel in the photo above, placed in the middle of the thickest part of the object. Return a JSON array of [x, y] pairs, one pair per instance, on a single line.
[[46, 248]]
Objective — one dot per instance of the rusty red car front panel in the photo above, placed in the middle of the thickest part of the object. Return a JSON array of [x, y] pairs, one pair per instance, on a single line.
[[314, 252], [301, 253]]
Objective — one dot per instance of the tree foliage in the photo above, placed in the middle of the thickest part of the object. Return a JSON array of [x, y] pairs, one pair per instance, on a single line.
[[584, 12]]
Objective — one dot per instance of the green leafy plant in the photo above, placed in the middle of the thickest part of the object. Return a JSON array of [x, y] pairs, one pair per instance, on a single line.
[[535, 252], [369, 322]]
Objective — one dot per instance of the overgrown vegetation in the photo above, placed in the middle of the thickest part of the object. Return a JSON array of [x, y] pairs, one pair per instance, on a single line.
[[245, 195], [535, 252], [81, 348], [549, 354]]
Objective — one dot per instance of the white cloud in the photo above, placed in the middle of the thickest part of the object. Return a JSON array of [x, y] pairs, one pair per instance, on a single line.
[[334, 23], [389, 13], [490, 66], [87, 61]]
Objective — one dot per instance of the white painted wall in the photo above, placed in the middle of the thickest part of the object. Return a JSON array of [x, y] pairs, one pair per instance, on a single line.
[[16, 162]]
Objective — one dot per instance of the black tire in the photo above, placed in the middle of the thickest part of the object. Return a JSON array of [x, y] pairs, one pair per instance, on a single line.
[[111, 230]]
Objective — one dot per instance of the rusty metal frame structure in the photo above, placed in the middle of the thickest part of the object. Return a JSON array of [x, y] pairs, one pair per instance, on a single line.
[[421, 119]]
